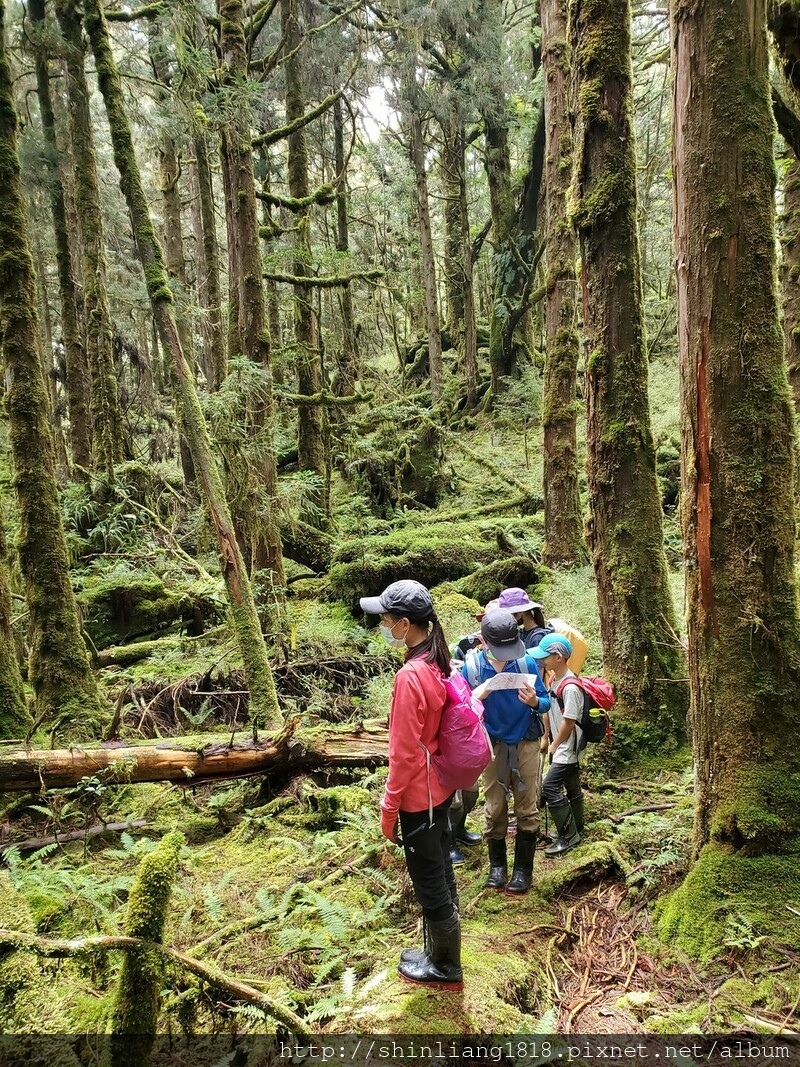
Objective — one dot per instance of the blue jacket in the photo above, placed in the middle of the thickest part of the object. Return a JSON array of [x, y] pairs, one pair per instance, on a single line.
[[506, 717]]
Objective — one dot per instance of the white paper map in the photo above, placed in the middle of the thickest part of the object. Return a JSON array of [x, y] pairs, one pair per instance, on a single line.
[[508, 681]]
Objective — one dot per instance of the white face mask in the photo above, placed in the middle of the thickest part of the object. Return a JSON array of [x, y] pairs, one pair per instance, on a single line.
[[388, 635]]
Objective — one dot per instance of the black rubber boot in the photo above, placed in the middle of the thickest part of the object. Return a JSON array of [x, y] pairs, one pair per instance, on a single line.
[[568, 836], [463, 836], [576, 803], [417, 955], [498, 863], [441, 967], [524, 849]]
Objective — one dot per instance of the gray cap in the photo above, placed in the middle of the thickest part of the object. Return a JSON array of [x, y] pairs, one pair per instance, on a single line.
[[500, 633], [405, 598]]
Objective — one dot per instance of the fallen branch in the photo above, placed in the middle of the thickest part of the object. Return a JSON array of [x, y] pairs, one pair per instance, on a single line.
[[53, 948], [638, 811], [32, 843]]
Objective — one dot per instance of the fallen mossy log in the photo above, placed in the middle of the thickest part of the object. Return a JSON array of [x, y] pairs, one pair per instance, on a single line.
[[191, 760]]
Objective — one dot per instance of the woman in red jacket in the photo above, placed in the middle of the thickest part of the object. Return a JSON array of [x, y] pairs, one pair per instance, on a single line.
[[414, 796]]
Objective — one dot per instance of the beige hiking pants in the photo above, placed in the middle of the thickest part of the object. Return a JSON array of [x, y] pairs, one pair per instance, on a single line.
[[525, 793]]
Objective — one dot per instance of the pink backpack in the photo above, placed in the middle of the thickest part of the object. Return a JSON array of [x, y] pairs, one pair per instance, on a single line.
[[465, 750]]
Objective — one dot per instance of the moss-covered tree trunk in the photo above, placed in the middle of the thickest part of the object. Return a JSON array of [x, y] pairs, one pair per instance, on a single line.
[[790, 275], [14, 720], [263, 698], [637, 619], [737, 435], [427, 260], [107, 416], [313, 450], [267, 553], [458, 252], [136, 1004], [77, 377], [233, 333], [210, 291], [563, 525], [349, 370], [63, 685]]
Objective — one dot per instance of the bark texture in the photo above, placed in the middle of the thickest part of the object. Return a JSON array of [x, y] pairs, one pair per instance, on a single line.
[[263, 697], [737, 436], [637, 620], [208, 270], [563, 525], [64, 688], [349, 369]]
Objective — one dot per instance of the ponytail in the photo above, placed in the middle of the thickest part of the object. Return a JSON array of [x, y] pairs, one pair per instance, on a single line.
[[434, 647]]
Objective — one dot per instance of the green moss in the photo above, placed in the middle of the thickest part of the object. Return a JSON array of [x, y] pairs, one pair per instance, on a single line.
[[135, 1013], [724, 887]]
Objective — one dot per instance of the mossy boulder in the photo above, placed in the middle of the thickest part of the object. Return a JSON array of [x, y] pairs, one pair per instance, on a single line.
[[729, 901], [433, 553], [124, 603]]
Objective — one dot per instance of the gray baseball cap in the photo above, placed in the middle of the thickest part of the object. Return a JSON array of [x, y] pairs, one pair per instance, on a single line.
[[406, 598], [500, 633]]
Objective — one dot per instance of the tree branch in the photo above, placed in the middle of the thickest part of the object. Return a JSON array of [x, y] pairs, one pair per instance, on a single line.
[[787, 121], [326, 398], [324, 281], [150, 11], [326, 194]]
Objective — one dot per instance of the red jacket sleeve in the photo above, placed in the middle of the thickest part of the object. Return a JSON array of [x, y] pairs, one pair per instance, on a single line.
[[409, 706]]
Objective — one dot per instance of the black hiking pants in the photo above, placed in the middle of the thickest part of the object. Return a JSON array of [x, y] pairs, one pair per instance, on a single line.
[[563, 779], [427, 848]]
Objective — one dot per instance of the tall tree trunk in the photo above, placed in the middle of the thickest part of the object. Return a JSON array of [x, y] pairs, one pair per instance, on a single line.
[[312, 419], [497, 162], [737, 435], [349, 366], [563, 527], [212, 299], [637, 619], [790, 275], [458, 253], [108, 429], [264, 701], [427, 261], [267, 553], [234, 342], [77, 378], [14, 720], [64, 687], [170, 169]]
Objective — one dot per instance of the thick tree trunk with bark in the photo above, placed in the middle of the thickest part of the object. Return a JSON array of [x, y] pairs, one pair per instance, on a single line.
[[108, 428], [263, 524], [312, 419], [77, 378], [190, 760], [737, 436], [427, 261], [14, 720], [790, 276], [637, 621], [349, 370], [563, 526], [263, 697], [64, 687], [210, 293]]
